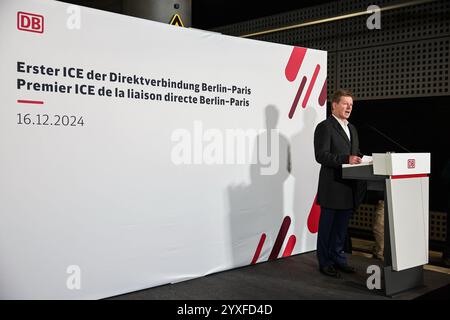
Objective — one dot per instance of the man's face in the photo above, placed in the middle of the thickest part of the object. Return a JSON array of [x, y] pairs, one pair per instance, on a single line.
[[343, 108]]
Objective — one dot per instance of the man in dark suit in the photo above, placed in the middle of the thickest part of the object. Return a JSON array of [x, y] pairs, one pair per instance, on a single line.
[[335, 143]]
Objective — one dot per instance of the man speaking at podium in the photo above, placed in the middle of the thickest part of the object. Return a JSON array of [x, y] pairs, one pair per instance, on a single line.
[[335, 143]]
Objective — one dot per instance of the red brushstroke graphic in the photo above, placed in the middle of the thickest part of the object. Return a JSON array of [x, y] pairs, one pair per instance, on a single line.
[[311, 85], [323, 94], [280, 238], [289, 246], [314, 217], [297, 98], [294, 63], [259, 248]]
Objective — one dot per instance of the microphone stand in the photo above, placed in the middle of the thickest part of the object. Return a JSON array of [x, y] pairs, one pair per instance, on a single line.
[[387, 138]]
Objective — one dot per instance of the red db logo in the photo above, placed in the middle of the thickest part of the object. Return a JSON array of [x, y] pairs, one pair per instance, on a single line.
[[30, 22], [411, 163]]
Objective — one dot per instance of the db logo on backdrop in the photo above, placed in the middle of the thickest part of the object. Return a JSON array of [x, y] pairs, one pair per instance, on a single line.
[[411, 163], [30, 22]]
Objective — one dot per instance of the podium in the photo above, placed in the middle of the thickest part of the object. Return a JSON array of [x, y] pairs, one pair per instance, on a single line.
[[403, 177]]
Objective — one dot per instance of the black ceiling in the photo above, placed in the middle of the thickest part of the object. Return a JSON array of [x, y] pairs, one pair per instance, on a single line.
[[207, 14], [213, 13]]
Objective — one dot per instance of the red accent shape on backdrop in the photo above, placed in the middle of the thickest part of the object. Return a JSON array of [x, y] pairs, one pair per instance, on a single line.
[[311, 85], [314, 217], [297, 98], [258, 249], [289, 246], [280, 238], [294, 63], [30, 101], [323, 94]]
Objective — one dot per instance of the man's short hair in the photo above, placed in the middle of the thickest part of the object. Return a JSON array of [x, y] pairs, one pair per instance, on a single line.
[[341, 93]]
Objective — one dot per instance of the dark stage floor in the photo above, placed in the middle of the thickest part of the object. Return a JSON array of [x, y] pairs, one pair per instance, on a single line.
[[294, 277]]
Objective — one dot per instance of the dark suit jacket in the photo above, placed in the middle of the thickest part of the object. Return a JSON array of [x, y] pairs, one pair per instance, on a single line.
[[332, 149]]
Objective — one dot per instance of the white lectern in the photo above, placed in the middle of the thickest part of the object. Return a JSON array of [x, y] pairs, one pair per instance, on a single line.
[[404, 179]]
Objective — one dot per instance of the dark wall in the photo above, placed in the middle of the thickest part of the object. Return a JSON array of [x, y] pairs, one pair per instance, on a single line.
[[417, 124], [208, 14]]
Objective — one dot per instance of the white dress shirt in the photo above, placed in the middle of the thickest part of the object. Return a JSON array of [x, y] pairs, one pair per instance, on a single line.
[[344, 125]]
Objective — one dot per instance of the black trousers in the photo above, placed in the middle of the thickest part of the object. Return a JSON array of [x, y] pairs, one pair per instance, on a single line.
[[332, 236]]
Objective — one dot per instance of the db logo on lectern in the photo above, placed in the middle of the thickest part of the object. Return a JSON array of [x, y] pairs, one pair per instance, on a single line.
[[30, 22], [411, 163]]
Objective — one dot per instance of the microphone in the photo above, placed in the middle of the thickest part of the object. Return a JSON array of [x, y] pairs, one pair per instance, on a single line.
[[387, 138]]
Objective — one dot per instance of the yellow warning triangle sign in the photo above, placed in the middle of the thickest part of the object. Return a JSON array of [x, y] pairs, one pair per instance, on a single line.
[[176, 20]]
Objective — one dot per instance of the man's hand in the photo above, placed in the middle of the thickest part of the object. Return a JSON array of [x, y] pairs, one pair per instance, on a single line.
[[354, 160]]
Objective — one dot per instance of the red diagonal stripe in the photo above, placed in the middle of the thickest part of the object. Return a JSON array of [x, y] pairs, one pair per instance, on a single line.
[[323, 94], [259, 248], [311, 85], [294, 63], [289, 246], [314, 217], [297, 98], [280, 238]]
